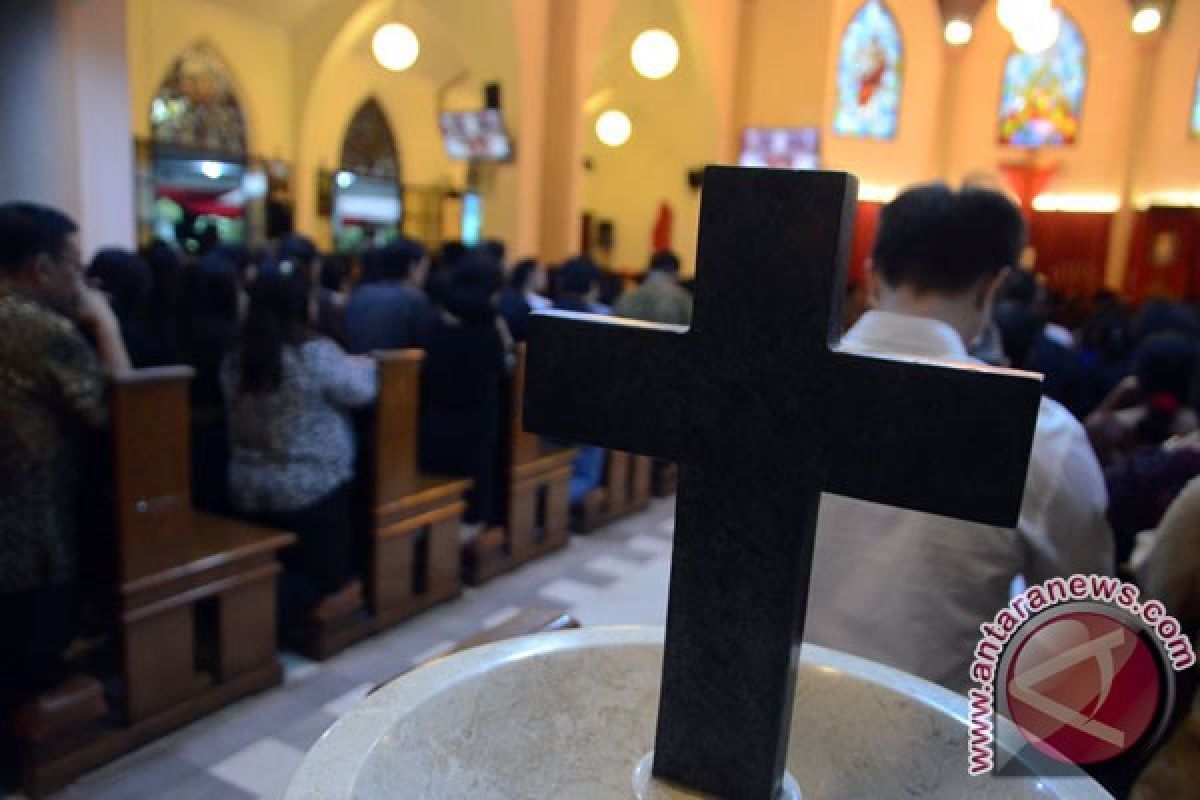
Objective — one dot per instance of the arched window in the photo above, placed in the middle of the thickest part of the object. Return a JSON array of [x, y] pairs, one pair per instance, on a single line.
[[369, 148], [870, 75], [1042, 97], [196, 106], [1195, 126]]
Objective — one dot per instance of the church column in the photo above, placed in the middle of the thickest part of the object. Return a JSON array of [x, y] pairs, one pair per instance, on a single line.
[[1120, 238], [64, 114], [532, 18], [562, 189]]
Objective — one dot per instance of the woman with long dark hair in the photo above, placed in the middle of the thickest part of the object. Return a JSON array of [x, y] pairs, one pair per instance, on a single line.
[[288, 393]]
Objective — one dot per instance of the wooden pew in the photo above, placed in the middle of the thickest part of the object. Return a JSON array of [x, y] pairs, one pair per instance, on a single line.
[[625, 489], [412, 558], [194, 596], [537, 478]]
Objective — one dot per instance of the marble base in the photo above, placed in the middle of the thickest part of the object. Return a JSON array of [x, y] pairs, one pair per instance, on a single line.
[[571, 714], [647, 787]]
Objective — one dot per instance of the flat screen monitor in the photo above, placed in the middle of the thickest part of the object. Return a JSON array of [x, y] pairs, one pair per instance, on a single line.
[[783, 148], [476, 135]]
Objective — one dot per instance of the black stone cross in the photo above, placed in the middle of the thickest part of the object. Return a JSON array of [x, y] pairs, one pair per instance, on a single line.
[[762, 415]]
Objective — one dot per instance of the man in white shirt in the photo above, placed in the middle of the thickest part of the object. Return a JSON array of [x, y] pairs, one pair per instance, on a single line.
[[910, 589]]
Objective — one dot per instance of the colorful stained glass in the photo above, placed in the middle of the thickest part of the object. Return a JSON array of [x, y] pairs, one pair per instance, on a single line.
[[369, 148], [197, 108], [1042, 97], [1196, 111], [870, 75]]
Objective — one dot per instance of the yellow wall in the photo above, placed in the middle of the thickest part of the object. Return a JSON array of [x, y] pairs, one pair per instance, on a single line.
[[784, 63], [910, 157], [1171, 160], [673, 131], [1095, 163], [759, 62]]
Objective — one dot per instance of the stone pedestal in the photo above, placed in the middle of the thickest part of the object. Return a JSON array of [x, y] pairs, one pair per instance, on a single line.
[[571, 714]]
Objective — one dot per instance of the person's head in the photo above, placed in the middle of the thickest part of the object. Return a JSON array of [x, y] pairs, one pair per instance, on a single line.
[[212, 292], [581, 277], [1165, 316], [943, 254], [166, 279], [1165, 366], [527, 276], [1020, 327], [335, 271], [278, 315], [495, 250], [124, 277], [39, 250], [402, 260], [450, 254], [472, 290], [664, 263], [301, 251]]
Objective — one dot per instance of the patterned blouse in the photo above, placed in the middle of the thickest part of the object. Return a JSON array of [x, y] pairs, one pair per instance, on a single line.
[[292, 447], [52, 390]]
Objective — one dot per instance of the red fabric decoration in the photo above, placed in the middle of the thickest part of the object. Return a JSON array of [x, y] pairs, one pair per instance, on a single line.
[[661, 237]]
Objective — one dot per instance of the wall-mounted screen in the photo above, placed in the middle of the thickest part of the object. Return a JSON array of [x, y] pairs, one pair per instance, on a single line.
[[784, 148], [476, 135]]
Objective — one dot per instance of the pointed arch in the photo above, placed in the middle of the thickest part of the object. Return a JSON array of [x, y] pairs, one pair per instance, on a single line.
[[196, 106], [870, 75], [369, 147], [1041, 102]]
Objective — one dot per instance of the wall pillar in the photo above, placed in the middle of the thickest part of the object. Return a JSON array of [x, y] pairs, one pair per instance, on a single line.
[[64, 114]]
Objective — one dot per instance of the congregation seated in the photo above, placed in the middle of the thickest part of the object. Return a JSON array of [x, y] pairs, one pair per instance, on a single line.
[[52, 390], [167, 277], [288, 393], [522, 296], [579, 291], [126, 281], [1154, 446], [659, 298], [1151, 405], [388, 310], [210, 322], [462, 379], [910, 589]]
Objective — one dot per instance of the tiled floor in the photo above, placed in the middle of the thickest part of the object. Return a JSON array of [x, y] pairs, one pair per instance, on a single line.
[[250, 750]]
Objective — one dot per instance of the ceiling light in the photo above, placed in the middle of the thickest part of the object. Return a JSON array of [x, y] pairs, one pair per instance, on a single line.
[[395, 47], [1147, 20], [345, 179], [654, 54], [1017, 14], [613, 128], [212, 169], [958, 32], [1038, 35]]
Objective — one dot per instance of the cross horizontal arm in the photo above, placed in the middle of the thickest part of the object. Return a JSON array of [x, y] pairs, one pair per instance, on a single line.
[[611, 382], [940, 438]]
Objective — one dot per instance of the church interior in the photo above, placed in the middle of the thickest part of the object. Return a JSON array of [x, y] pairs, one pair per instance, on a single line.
[[271, 392]]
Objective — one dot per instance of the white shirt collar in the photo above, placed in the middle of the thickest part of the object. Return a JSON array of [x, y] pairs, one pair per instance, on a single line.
[[888, 333]]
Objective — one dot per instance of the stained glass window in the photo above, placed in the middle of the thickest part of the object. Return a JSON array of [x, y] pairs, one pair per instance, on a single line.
[[369, 148], [1042, 97], [1195, 128], [870, 75], [197, 108]]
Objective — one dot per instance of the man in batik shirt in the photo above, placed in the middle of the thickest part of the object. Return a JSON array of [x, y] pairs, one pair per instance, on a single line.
[[52, 391]]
